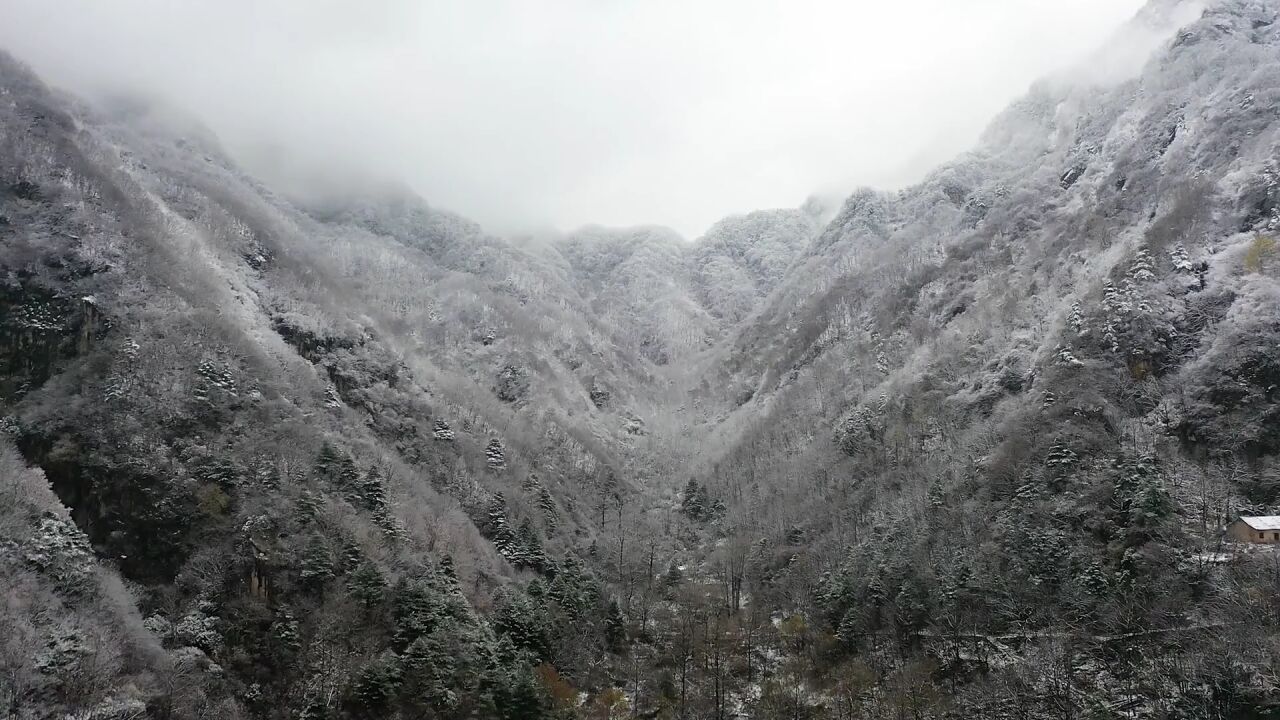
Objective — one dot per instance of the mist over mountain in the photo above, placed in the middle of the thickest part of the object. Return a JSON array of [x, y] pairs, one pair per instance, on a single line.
[[999, 444]]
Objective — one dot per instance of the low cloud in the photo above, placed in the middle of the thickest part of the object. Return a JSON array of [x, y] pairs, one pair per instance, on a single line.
[[527, 116]]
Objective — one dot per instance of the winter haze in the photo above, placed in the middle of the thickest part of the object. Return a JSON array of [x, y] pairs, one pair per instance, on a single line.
[[533, 115], [350, 368]]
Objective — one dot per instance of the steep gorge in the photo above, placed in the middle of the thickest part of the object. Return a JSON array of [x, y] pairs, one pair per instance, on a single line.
[[960, 450]]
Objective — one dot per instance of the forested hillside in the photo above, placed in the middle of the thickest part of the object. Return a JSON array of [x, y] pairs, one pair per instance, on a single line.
[[962, 450]]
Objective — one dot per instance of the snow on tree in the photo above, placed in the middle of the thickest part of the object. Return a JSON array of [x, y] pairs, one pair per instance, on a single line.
[[316, 566], [548, 506], [1142, 269], [367, 585], [60, 550], [532, 553], [615, 628], [1116, 306], [1062, 355], [1061, 457], [882, 358], [694, 502], [500, 532], [327, 460], [199, 629], [494, 454], [215, 375], [442, 431], [331, 398], [599, 396], [1179, 259], [1077, 320]]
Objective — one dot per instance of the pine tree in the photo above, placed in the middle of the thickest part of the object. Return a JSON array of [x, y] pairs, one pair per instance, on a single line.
[[376, 686], [316, 566], [348, 476], [1180, 260], [371, 491], [500, 531], [935, 495], [367, 585], [548, 507], [442, 431], [284, 637], [524, 622], [1142, 270], [1063, 356], [615, 628], [531, 552], [517, 694], [416, 610], [1116, 303], [428, 668], [327, 461], [1061, 458], [694, 503], [882, 358], [351, 558], [331, 398], [494, 454], [1077, 320], [308, 506]]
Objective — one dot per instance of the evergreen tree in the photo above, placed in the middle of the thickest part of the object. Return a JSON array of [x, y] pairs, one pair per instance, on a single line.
[[548, 507], [327, 461], [531, 551], [371, 491], [415, 609], [367, 585], [442, 431], [348, 479], [523, 621], [1117, 306], [1062, 355], [1077, 320], [428, 667], [375, 688], [495, 456], [516, 692], [882, 358], [284, 638], [694, 503], [352, 556], [1061, 457], [615, 628], [500, 532], [316, 568], [1142, 270]]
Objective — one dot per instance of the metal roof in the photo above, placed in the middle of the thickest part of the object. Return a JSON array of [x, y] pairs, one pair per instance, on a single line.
[[1262, 522]]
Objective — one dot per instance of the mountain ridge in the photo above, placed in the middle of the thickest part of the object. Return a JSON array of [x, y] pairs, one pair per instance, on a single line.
[[360, 459]]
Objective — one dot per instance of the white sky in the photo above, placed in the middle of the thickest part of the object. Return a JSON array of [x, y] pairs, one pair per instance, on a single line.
[[524, 114]]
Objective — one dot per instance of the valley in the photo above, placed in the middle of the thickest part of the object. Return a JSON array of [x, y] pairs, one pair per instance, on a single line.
[[966, 449]]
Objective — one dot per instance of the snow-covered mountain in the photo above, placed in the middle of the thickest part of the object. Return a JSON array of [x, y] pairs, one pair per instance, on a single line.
[[962, 450]]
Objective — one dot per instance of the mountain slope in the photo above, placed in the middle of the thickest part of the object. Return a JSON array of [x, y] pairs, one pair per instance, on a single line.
[[965, 450]]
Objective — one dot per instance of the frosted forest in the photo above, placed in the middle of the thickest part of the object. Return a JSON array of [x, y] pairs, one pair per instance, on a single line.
[[968, 449]]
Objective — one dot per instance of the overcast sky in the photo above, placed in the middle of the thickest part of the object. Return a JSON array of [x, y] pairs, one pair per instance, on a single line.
[[528, 114]]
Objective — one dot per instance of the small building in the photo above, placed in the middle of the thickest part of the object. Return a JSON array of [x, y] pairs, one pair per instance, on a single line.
[[1256, 529]]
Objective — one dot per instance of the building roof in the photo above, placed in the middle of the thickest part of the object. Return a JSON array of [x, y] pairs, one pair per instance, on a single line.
[[1262, 522]]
